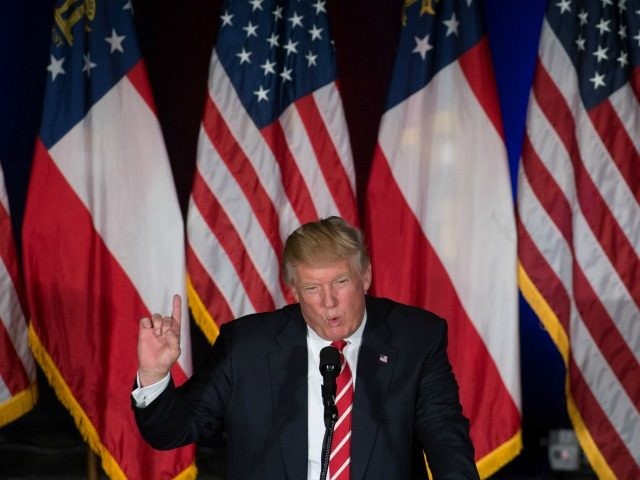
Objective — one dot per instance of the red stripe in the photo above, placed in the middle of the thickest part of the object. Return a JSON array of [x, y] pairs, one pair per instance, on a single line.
[[85, 311], [344, 400], [607, 337], [231, 242], [335, 175], [613, 448], [401, 275], [595, 210], [12, 370], [549, 194], [292, 180], [208, 292], [140, 80], [544, 278], [619, 144], [8, 254], [634, 82], [242, 170], [477, 69]]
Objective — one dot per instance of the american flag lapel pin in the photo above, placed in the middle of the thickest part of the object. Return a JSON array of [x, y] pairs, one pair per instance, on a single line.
[[383, 358]]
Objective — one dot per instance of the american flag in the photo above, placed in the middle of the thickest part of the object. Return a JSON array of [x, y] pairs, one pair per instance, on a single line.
[[440, 217], [18, 387], [103, 238], [579, 218], [273, 153]]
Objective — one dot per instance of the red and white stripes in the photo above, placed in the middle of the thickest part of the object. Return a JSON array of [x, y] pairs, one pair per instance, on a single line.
[[18, 389], [252, 188], [442, 233], [340, 458], [579, 234], [104, 246]]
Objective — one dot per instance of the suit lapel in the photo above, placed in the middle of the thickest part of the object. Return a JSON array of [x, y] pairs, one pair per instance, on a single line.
[[375, 369], [288, 368]]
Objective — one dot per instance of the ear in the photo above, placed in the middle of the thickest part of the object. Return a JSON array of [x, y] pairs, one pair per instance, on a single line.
[[366, 278], [294, 292]]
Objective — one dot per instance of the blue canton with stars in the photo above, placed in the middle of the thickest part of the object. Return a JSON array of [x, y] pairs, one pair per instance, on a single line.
[[434, 35], [602, 37], [275, 52], [93, 46]]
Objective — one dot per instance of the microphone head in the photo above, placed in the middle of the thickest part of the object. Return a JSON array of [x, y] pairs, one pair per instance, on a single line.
[[329, 361]]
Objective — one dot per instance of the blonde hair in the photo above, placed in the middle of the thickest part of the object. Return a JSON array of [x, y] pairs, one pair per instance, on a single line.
[[324, 242]]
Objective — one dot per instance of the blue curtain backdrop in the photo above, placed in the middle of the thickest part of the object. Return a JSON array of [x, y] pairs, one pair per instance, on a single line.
[[176, 40]]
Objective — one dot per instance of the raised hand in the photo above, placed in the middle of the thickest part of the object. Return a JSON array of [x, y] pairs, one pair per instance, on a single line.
[[158, 344]]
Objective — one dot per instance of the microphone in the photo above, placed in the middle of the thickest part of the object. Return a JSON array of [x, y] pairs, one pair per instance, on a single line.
[[329, 369]]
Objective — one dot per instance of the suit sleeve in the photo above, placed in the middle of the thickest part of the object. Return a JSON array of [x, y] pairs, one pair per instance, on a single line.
[[193, 411], [440, 424]]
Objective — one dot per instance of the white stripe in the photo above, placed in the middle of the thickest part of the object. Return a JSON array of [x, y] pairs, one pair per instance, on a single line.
[[116, 162], [215, 262], [344, 415], [14, 322], [451, 167], [551, 151], [342, 443], [235, 204], [307, 162], [4, 200], [545, 235], [344, 390], [5, 394], [626, 105], [596, 158], [329, 105], [344, 465]]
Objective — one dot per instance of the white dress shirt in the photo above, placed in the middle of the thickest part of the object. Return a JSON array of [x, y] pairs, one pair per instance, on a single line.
[[315, 419]]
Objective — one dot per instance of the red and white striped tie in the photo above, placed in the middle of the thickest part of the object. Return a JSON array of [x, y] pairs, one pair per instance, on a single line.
[[340, 460]]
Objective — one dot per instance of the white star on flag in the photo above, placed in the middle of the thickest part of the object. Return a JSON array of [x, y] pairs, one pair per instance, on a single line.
[[115, 41], [452, 25], [422, 46], [226, 19], [244, 56], [261, 93], [88, 64], [55, 67]]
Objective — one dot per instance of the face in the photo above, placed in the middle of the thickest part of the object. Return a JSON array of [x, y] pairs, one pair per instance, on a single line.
[[331, 297]]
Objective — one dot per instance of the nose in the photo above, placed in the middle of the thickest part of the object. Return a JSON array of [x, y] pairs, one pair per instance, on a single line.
[[329, 298]]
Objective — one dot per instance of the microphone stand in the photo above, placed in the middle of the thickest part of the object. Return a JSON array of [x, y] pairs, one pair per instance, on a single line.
[[330, 419]]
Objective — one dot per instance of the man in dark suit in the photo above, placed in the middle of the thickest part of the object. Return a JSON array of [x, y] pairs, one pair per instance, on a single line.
[[261, 382]]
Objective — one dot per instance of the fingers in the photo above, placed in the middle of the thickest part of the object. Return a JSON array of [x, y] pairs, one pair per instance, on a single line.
[[165, 325], [157, 323], [176, 312], [146, 323]]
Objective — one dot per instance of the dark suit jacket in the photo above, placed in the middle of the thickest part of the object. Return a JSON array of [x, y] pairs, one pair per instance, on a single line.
[[254, 387]]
